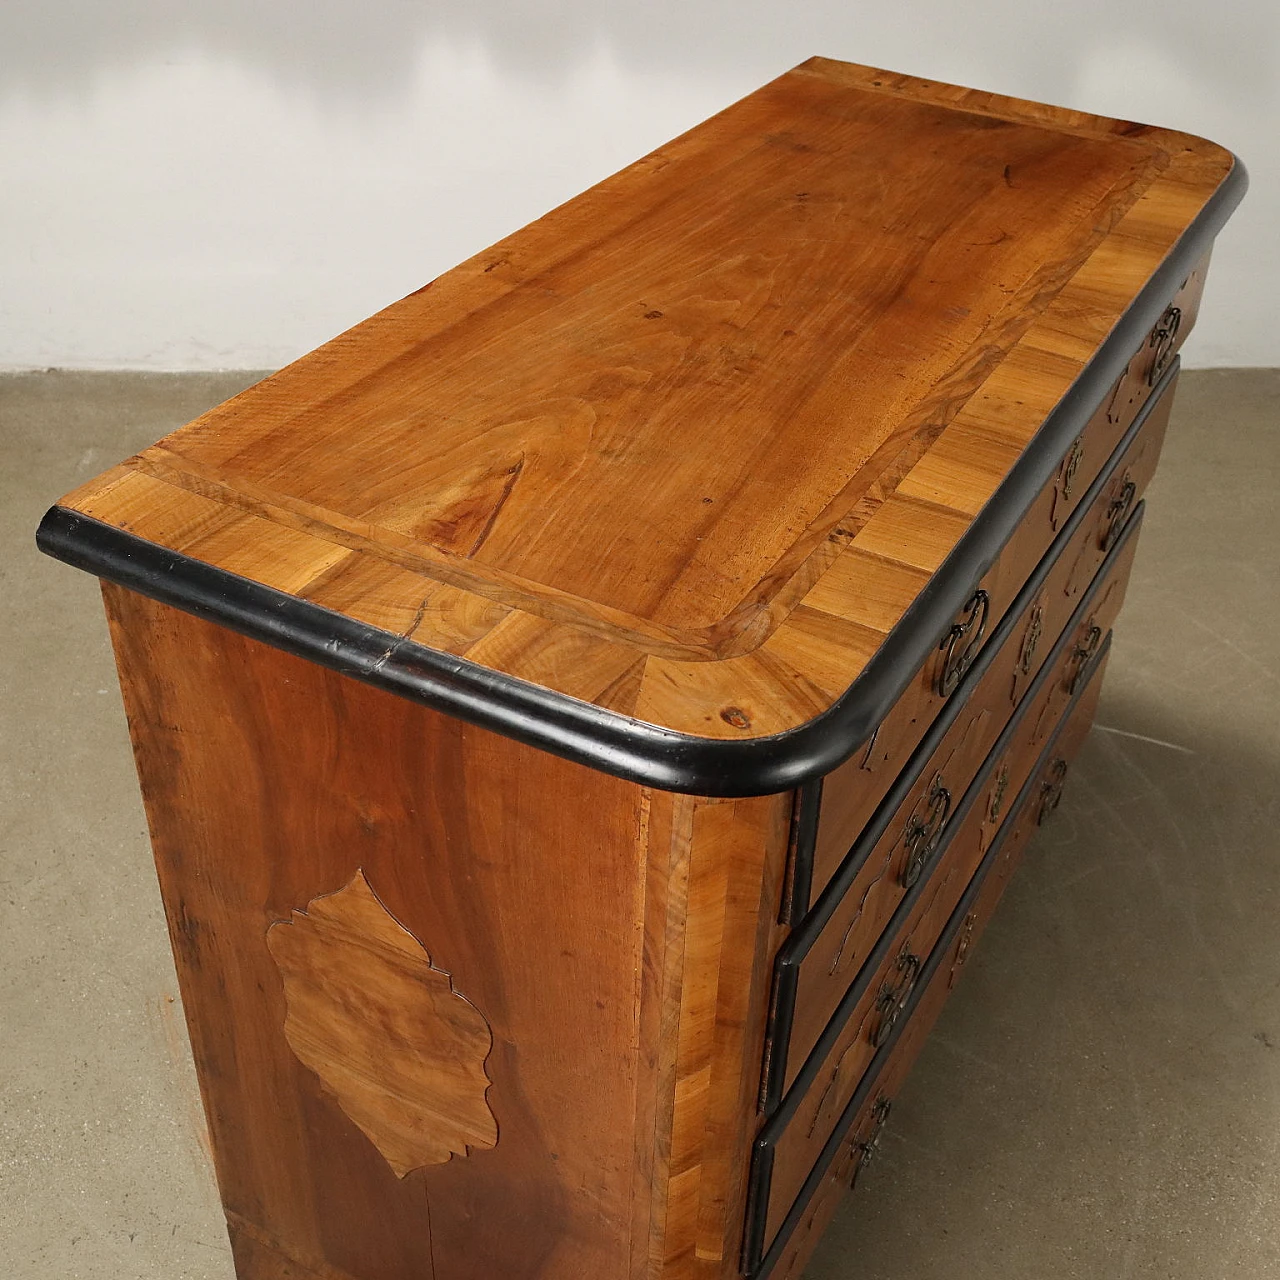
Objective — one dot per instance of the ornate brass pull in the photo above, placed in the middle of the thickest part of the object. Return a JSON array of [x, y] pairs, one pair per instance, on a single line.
[[963, 946], [868, 1147], [1051, 789], [962, 642], [1163, 336], [1117, 514], [1031, 640], [997, 794], [1072, 465], [1081, 656], [920, 838], [893, 1000]]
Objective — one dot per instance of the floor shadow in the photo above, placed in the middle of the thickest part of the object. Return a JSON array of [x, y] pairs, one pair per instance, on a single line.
[[1099, 1096]]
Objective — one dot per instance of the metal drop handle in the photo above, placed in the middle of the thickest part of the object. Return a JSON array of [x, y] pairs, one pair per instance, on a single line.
[[922, 833], [1082, 655], [1117, 514], [893, 1000], [1051, 789], [962, 642], [1163, 336], [868, 1147]]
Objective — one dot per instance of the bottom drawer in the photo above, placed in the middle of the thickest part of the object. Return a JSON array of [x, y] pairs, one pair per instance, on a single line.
[[853, 1143]]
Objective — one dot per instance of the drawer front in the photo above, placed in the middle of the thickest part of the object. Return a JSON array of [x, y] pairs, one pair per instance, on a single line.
[[1080, 644], [851, 794], [1079, 560], [880, 1004], [818, 964], [1091, 452], [1037, 807], [880, 1001], [796, 1190], [1148, 375], [977, 712]]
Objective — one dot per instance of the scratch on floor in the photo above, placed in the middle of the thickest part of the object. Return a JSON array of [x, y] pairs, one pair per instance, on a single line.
[[1142, 737], [1235, 648], [963, 1049]]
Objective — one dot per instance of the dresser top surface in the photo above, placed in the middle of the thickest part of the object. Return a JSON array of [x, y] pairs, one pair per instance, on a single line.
[[617, 454]]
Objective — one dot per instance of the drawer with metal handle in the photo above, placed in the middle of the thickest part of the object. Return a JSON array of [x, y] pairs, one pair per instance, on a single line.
[[855, 1154], [1038, 804], [819, 961], [976, 714], [833, 811], [1092, 450], [1080, 643], [1100, 529], [828, 1130]]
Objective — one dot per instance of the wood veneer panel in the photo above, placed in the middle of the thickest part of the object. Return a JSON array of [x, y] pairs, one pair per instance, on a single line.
[[269, 781], [390, 1038], [716, 868], [572, 445], [528, 437], [340, 869]]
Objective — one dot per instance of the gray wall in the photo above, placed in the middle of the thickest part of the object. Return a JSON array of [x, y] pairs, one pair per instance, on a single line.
[[226, 183]]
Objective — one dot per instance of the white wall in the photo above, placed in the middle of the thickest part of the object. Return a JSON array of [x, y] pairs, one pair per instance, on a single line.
[[197, 184]]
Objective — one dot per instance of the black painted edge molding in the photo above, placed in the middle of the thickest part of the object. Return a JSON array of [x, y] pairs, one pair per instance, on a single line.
[[799, 885], [605, 740]]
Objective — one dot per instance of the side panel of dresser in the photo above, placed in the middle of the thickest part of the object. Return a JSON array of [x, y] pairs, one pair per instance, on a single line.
[[708, 969], [459, 1009], [1035, 804]]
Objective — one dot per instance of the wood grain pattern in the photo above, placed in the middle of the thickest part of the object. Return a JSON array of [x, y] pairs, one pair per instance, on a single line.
[[716, 870], [268, 781], [687, 449], [617, 941], [384, 1030], [559, 459], [852, 793]]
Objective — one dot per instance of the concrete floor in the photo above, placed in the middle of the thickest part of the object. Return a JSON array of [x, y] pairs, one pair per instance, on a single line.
[[1100, 1099]]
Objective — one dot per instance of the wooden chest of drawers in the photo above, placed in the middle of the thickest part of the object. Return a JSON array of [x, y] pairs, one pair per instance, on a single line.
[[588, 712]]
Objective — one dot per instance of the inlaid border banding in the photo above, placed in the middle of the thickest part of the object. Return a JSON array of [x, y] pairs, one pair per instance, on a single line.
[[606, 740]]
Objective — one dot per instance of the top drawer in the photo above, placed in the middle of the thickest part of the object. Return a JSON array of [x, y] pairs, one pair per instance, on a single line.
[[834, 812], [856, 788]]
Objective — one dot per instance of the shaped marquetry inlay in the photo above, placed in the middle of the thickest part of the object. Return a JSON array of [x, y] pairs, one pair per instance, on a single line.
[[400, 1050]]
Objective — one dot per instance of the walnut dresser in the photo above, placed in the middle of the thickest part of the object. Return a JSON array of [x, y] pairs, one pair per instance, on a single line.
[[588, 712]]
